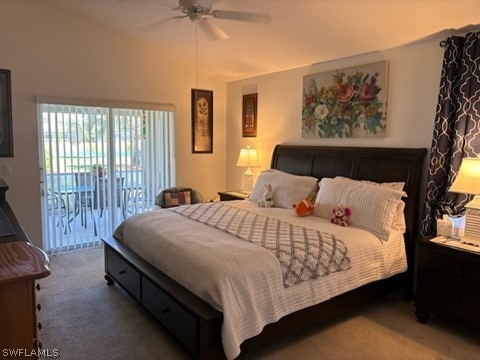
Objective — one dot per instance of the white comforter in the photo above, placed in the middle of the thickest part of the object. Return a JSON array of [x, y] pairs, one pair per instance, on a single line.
[[244, 280]]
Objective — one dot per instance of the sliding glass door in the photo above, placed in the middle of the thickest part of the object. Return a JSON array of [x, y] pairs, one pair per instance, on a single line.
[[101, 164]]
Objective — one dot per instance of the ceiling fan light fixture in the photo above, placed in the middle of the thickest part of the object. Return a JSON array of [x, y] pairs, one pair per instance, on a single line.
[[195, 16], [196, 7]]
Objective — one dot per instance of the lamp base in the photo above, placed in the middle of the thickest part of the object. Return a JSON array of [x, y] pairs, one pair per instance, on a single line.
[[472, 222], [248, 181]]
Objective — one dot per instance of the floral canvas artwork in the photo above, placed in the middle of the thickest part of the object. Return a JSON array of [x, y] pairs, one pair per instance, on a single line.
[[347, 103]]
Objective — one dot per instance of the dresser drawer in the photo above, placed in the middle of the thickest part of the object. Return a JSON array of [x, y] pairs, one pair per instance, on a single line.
[[453, 271], [126, 275], [452, 302], [178, 320]]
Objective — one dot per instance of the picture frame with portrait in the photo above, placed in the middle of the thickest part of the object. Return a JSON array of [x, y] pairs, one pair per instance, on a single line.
[[202, 121], [6, 136], [249, 115]]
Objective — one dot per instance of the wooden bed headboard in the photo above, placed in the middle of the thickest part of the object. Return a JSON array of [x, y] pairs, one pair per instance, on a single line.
[[360, 163]]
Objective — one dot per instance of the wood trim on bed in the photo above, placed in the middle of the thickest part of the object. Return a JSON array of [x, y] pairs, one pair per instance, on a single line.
[[374, 164]]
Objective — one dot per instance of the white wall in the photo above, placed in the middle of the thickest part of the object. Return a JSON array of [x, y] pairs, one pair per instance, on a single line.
[[53, 53], [50, 52], [414, 75]]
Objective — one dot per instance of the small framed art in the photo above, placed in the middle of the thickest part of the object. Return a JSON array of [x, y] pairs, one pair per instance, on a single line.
[[202, 121], [6, 140], [249, 115]]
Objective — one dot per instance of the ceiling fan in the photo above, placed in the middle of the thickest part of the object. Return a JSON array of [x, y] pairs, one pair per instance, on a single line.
[[201, 13]]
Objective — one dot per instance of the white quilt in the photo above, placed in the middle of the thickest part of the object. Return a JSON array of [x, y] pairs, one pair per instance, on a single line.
[[244, 280]]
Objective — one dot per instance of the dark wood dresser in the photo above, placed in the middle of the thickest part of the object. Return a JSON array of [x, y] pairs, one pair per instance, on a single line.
[[447, 282], [21, 264]]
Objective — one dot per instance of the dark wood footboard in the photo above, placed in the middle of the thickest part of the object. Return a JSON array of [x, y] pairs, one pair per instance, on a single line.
[[195, 324]]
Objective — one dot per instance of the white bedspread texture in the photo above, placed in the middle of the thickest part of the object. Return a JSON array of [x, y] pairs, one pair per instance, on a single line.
[[244, 280]]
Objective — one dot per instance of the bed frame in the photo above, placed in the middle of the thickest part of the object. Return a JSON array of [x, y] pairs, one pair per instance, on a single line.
[[197, 325]]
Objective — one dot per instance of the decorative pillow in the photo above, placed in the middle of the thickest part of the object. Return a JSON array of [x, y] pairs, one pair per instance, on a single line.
[[176, 198], [287, 188], [372, 207], [399, 221], [392, 185]]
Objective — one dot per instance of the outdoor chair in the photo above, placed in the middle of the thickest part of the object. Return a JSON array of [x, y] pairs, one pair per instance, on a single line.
[[101, 189]]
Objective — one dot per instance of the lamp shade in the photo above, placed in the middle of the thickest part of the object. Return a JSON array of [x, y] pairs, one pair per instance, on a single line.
[[468, 178], [248, 157]]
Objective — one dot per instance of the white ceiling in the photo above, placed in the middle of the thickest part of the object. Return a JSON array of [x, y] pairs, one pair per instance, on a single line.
[[300, 33]]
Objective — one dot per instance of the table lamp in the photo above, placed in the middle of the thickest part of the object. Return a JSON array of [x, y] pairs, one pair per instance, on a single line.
[[468, 182], [248, 157]]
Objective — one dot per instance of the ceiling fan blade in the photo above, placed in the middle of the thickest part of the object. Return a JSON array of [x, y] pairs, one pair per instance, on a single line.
[[213, 31], [154, 25], [242, 16], [159, 23]]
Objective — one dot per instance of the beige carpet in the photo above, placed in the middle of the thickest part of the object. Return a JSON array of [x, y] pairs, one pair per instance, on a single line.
[[84, 318]]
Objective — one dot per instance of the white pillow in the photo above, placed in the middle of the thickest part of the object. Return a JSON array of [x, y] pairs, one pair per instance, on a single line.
[[392, 185], [287, 188], [372, 207], [399, 220]]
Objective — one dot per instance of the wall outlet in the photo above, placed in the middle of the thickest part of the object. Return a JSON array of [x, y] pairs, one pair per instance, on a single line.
[[6, 170]]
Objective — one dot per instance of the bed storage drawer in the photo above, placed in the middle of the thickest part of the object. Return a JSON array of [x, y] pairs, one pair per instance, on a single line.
[[178, 320], [125, 274]]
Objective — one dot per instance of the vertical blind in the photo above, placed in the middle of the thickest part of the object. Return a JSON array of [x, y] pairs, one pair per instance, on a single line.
[[100, 164]]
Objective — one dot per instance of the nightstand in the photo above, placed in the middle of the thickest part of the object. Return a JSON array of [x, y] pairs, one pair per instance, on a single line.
[[233, 195], [447, 282]]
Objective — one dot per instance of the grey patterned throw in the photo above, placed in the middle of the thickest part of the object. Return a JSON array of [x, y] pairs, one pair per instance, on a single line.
[[303, 253]]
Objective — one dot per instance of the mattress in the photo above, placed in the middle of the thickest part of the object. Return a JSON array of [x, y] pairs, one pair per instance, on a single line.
[[242, 279]]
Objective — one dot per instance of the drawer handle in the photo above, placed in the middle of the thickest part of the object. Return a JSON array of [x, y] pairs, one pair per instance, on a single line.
[[122, 272], [39, 307], [39, 326], [38, 287], [166, 310]]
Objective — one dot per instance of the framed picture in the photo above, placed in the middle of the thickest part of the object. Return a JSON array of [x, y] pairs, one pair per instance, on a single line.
[[202, 121], [6, 140], [249, 115], [346, 103]]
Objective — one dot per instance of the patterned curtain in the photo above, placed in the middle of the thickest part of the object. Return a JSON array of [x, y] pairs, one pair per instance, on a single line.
[[456, 131]]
